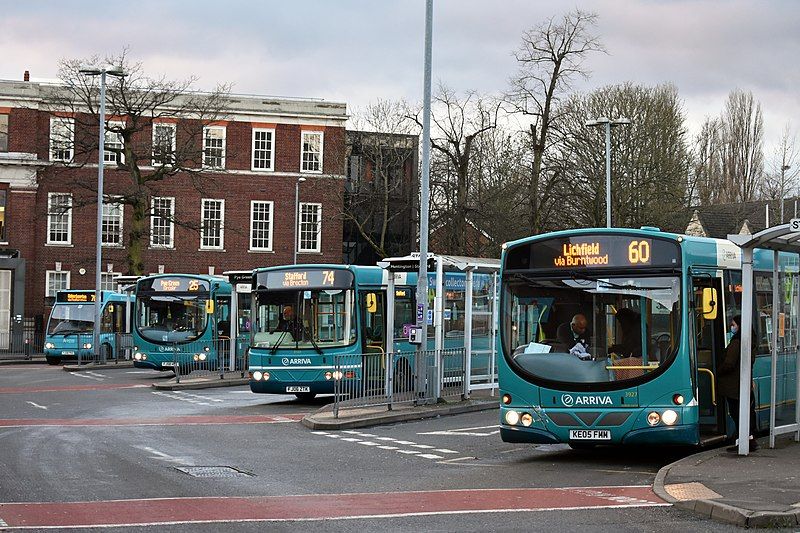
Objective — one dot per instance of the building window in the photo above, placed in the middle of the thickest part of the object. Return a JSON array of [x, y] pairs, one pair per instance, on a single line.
[[112, 223], [311, 151], [214, 147], [59, 218], [261, 226], [162, 222], [57, 280], [108, 281], [263, 149], [3, 211], [212, 219], [310, 228], [163, 144], [3, 133], [113, 144], [61, 136]]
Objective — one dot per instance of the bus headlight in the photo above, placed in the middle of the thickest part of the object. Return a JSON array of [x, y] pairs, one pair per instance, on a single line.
[[669, 417], [49, 345], [512, 418], [506, 399], [337, 374], [526, 419], [328, 375], [87, 345], [202, 356], [257, 375], [137, 356], [677, 399], [653, 418], [207, 349]]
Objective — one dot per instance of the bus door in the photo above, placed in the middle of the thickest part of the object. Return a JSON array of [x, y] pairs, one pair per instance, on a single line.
[[709, 351], [373, 340], [222, 322]]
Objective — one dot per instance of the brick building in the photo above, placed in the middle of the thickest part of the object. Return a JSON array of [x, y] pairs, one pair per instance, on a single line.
[[237, 213]]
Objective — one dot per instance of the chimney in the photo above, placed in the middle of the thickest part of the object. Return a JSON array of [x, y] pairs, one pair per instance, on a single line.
[[26, 76]]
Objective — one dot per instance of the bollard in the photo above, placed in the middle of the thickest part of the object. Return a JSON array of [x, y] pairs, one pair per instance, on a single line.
[[27, 348], [175, 364]]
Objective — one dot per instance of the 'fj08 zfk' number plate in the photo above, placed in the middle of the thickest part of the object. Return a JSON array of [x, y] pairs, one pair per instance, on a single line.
[[298, 389], [589, 434]]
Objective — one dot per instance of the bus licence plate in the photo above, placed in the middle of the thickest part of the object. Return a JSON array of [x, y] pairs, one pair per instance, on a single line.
[[67, 352], [589, 434], [298, 389]]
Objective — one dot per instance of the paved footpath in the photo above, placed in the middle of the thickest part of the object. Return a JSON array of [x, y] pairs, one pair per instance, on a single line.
[[758, 490]]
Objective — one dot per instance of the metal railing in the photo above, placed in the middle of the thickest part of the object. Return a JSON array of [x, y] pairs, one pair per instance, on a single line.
[[210, 358], [377, 379], [21, 344]]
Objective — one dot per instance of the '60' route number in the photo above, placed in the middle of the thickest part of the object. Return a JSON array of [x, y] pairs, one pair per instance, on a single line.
[[639, 252]]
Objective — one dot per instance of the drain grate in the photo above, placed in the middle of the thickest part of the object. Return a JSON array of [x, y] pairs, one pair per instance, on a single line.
[[213, 471]]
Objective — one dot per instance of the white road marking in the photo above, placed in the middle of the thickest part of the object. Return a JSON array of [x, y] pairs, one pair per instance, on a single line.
[[155, 454], [141, 372], [368, 443], [37, 405], [95, 374], [350, 439], [181, 398], [239, 391], [199, 396], [430, 456], [380, 443], [388, 447], [444, 450], [467, 432], [423, 446], [409, 452], [85, 376]]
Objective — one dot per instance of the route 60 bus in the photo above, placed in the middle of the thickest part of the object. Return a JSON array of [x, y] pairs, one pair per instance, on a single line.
[[657, 307]]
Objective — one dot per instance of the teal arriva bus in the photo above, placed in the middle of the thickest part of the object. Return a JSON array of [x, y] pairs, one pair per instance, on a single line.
[[340, 310], [657, 308], [183, 319], [71, 324]]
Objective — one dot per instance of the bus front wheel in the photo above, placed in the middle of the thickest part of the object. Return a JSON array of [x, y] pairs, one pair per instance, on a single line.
[[305, 396], [106, 352], [53, 360]]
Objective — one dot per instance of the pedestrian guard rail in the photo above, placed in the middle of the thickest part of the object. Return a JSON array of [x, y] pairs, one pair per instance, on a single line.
[[210, 358], [376, 378]]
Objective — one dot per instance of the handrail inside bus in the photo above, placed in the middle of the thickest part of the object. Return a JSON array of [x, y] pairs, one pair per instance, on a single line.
[[713, 384]]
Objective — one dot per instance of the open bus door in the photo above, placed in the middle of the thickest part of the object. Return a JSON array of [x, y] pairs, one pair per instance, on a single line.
[[373, 340], [708, 352]]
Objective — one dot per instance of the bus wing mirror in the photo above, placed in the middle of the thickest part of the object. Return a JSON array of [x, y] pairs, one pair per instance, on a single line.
[[709, 305], [372, 302]]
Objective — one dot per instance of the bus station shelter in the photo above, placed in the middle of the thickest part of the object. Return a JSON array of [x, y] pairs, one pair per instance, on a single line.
[[785, 291], [463, 294]]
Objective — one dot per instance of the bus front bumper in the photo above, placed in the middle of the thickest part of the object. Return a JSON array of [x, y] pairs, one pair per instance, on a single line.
[[680, 435], [152, 365], [274, 386]]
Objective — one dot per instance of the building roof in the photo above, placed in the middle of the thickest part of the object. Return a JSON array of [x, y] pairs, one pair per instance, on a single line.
[[719, 221]]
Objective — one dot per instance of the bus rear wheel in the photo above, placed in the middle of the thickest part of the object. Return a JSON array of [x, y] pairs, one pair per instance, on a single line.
[[305, 396], [53, 360]]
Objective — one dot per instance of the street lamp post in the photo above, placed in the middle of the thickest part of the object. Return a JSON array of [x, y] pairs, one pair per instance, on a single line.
[[102, 72], [784, 168], [608, 124], [297, 215]]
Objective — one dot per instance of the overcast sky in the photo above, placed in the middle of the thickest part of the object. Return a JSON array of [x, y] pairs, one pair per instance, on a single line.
[[357, 51]]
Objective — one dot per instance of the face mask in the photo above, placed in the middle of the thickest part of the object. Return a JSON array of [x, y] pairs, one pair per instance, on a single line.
[[734, 329]]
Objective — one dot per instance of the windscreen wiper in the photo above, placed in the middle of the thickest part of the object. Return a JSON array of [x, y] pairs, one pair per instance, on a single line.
[[274, 349], [307, 330]]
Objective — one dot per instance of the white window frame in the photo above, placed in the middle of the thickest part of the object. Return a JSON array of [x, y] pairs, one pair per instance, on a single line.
[[113, 286], [207, 129], [51, 217], [47, 275], [271, 225], [303, 135], [153, 216], [300, 223], [110, 202], [221, 245], [70, 125], [253, 166], [171, 126], [111, 157]]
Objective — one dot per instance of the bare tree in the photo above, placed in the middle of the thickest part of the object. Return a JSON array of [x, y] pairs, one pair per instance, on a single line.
[[705, 184], [134, 104], [457, 121], [549, 58], [379, 197], [781, 179], [743, 152]]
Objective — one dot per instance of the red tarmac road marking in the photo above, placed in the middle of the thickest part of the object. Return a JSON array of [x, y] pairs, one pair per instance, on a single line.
[[319, 506], [166, 421], [69, 388]]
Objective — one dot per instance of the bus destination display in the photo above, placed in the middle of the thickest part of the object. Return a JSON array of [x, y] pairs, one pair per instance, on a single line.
[[597, 251], [177, 284], [75, 297], [306, 279]]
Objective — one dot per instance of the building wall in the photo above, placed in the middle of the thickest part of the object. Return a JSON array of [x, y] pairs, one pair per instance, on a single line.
[[27, 202]]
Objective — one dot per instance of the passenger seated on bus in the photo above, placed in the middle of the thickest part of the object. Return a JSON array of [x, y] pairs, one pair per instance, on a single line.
[[574, 332], [631, 330]]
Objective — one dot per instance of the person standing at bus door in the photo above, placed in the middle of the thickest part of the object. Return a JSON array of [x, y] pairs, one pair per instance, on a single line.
[[728, 377], [574, 332]]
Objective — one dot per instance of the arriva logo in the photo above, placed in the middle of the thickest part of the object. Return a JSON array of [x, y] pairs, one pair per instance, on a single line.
[[568, 400], [295, 361]]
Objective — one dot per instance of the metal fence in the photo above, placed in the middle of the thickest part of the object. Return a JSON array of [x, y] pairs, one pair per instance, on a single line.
[[377, 379], [22, 344], [210, 358]]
